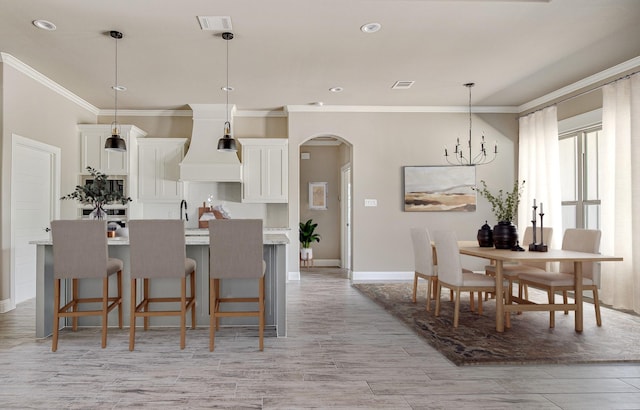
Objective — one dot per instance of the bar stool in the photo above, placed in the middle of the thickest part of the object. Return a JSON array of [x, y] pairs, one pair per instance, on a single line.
[[157, 249], [235, 252], [80, 252]]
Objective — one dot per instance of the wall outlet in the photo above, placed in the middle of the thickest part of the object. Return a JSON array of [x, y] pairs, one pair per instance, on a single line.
[[370, 202]]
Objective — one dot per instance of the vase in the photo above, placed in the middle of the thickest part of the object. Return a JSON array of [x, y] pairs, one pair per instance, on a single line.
[[306, 254], [485, 236], [505, 235], [98, 213]]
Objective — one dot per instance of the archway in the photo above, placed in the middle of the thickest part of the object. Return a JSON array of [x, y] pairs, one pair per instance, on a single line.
[[326, 163]]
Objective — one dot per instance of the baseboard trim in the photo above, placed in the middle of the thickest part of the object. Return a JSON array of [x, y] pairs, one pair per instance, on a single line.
[[6, 306], [326, 262], [381, 276], [293, 276]]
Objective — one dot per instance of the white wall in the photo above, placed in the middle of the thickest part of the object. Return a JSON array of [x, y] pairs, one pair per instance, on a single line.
[[33, 110]]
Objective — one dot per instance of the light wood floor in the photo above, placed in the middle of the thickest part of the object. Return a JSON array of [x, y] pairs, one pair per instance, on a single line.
[[343, 351]]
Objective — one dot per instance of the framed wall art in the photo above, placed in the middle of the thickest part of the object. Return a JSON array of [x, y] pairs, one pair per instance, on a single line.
[[439, 188], [318, 195]]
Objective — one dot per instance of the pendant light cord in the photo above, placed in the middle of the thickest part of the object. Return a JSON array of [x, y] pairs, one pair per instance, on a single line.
[[115, 114], [227, 88]]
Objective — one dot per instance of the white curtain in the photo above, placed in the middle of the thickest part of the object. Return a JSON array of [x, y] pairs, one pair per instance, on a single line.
[[619, 183], [539, 166]]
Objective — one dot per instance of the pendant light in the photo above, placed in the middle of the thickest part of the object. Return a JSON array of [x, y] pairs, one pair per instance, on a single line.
[[227, 143], [115, 142]]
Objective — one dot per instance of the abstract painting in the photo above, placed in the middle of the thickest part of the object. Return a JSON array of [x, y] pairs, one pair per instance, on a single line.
[[439, 188]]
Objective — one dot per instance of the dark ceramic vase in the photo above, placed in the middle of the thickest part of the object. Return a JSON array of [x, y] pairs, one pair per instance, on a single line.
[[505, 235], [485, 236]]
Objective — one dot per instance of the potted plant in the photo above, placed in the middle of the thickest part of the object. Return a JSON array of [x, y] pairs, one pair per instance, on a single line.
[[505, 207], [97, 194], [307, 235]]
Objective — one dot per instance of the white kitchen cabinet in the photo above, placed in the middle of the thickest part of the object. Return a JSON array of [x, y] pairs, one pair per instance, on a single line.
[[158, 169], [93, 137], [265, 170]]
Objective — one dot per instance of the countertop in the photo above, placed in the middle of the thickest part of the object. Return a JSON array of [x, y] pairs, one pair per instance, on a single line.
[[268, 239]]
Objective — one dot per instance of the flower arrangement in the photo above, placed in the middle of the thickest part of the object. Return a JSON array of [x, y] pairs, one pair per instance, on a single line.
[[504, 206], [97, 193]]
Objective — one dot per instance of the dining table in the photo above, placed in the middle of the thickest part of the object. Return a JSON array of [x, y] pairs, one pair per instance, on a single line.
[[504, 306]]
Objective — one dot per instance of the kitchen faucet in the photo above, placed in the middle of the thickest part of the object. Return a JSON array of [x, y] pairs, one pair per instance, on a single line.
[[183, 205]]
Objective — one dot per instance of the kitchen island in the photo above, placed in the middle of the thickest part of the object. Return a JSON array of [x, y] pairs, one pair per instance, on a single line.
[[197, 249]]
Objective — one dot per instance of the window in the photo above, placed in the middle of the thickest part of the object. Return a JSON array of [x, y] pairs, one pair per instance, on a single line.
[[579, 178]]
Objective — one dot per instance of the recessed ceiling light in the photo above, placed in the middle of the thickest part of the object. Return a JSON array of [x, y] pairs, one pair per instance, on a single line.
[[336, 89], [44, 25], [371, 28], [227, 89], [119, 88]]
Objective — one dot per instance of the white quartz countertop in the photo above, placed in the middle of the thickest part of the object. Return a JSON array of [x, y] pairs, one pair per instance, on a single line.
[[268, 239]]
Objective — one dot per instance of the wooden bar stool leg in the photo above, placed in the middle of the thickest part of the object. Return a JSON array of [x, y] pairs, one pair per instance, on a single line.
[[212, 313], [119, 282], [56, 314], [145, 301], [105, 304], [183, 312], [193, 297], [132, 316], [261, 308], [74, 306]]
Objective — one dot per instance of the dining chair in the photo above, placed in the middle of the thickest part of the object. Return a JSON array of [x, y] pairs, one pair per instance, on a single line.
[[423, 263], [235, 252], [511, 271], [80, 251], [452, 276], [580, 240], [157, 250]]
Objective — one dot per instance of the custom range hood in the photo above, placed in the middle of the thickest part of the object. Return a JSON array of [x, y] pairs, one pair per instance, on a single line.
[[203, 162]]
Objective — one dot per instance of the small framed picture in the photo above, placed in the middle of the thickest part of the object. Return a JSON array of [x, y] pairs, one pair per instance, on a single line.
[[318, 195]]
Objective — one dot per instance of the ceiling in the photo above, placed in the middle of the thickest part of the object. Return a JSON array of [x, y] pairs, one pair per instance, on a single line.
[[291, 52]]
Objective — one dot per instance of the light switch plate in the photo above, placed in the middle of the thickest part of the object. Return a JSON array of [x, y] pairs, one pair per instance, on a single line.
[[370, 202]]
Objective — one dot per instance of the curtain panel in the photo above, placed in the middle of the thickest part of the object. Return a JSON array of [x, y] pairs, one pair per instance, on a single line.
[[539, 166], [619, 183]]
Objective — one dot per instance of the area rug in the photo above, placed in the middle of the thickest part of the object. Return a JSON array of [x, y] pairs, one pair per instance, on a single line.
[[528, 341]]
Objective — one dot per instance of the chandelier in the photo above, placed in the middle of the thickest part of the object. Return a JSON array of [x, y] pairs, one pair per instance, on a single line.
[[466, 157]]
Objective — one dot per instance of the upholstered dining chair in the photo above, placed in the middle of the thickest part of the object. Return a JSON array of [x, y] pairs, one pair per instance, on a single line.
[[423, 263], [80, 252], [511, 271], [451, 275], [157, 250], [235, 252], [580, 240]]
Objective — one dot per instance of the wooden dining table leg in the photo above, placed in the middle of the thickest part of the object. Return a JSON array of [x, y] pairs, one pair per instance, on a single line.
[[577, 269], [499, 298]]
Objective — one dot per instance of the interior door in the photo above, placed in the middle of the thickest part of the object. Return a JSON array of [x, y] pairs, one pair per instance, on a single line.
[[33, 189]]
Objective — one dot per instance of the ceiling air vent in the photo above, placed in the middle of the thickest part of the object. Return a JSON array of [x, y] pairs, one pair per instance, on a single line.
[[402, 85], [215, 23]]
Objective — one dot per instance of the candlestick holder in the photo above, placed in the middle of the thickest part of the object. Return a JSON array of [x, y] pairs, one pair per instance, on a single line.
[[538, 247]]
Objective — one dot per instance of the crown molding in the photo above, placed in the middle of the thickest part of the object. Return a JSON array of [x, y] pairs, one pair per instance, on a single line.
[[148, 113], [189, 113], [402, 109], [581, 84], [47, 82]]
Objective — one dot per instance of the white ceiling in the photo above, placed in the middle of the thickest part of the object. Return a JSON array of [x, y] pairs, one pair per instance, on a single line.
[[290, 52]]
